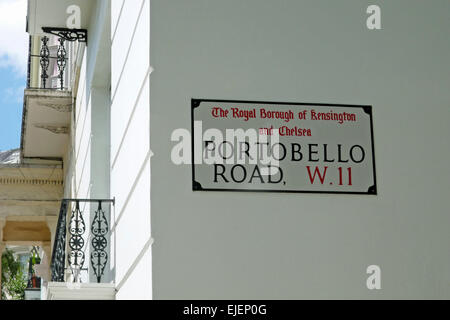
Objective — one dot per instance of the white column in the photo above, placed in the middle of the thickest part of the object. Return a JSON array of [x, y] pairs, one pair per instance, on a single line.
[[43, 270], [100, 172], [51, 224]]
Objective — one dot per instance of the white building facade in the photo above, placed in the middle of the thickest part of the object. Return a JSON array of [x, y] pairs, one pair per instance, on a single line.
[[106, 154], [130, 85]]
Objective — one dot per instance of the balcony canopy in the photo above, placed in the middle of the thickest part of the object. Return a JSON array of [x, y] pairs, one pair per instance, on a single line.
[[45, 124]]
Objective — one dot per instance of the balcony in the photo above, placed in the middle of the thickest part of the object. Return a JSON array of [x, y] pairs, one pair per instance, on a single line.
[[81, 257], [52, 59], [48, 99]]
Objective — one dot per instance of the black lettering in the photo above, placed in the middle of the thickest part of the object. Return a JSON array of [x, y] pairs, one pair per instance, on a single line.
[[216, 173], [243, 171], [256, 174], [296, 150], [325, 154], [279, 151], [363, 154], [311, 152], [339, 154], [270, 175], [223, 148], [246, 151]]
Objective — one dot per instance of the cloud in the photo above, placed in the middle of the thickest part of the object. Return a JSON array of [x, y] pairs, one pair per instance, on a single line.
[[13, 37], [13, 95]]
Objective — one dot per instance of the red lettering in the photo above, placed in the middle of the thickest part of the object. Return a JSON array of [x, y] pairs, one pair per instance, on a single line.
[[312, 178]]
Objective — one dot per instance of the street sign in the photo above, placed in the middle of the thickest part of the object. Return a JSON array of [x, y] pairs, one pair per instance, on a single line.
[[282, 147]]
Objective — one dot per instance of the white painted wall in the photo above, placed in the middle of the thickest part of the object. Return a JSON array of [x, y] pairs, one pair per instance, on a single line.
[[88, 156], [110, 154], [253, 245], [130, 147], [83, 138]]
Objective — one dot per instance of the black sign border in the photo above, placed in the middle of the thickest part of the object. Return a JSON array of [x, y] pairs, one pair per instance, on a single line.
[[195, 102]]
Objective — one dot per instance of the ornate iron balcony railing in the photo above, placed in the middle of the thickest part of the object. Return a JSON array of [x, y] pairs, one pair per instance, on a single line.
[[53, 57], [71, 237], [51, 66]]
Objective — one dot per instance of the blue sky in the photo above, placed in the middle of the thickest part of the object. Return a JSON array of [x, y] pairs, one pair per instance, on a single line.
[[13, 67], [12, 85]]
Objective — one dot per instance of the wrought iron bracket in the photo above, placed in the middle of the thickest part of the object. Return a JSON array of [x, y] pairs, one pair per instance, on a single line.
[[68, 34]]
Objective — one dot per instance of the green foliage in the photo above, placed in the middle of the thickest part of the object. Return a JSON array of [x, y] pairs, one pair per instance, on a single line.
[[14, 279]]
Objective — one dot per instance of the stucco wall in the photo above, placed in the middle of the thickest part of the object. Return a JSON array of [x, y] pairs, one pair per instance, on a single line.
[[130, 146], [110, 154], [82, 135], [254, 245], [88, 156]]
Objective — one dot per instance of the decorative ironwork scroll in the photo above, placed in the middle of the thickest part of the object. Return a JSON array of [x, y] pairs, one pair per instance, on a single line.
[[61, 61], [77, 238], [45, 60], [59, 246], [99, 256], [80, 35], [77, 227]]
